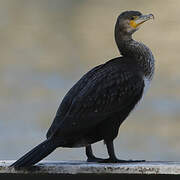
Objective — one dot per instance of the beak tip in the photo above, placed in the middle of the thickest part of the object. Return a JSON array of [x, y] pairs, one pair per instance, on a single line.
[[151, 16]]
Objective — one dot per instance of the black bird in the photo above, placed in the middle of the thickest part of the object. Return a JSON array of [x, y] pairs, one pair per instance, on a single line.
[[95, 107]]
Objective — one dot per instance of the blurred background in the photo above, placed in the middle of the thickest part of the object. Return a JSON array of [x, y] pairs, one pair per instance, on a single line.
[[47, 45]]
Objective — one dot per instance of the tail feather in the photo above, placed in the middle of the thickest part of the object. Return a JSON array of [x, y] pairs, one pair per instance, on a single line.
[[36, 154]]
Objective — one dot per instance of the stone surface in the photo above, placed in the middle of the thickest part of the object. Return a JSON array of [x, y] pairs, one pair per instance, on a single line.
[[81, 167]]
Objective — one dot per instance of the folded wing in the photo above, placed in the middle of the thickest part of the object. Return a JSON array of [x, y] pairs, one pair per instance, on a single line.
[[109, 89]]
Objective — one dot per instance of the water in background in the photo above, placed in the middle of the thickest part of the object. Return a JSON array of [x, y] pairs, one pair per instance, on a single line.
[[46, 46]]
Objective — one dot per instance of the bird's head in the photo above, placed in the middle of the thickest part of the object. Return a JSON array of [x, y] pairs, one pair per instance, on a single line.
[[129, 21]]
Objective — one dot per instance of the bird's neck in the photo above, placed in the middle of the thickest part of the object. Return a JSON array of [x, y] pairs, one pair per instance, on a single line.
[[137, 52]]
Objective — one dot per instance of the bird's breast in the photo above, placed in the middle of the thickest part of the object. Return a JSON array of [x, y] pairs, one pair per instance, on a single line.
[[147, 83]]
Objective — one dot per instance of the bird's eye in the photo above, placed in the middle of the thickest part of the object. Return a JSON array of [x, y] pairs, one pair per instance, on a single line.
[[133, 17]]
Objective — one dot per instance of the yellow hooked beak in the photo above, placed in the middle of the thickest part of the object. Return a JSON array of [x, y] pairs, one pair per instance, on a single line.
[[140, 20]]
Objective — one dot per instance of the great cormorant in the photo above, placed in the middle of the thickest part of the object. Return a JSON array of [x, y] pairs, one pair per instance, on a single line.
[[95, 107]]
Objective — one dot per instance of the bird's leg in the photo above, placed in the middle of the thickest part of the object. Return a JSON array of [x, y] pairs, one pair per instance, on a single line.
[[112, 157], [90, 155]]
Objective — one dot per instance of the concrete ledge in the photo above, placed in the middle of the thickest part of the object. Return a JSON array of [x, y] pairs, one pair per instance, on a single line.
[[81, 167]]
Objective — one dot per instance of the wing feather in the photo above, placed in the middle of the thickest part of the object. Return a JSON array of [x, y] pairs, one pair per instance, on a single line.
[[108, 90]]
